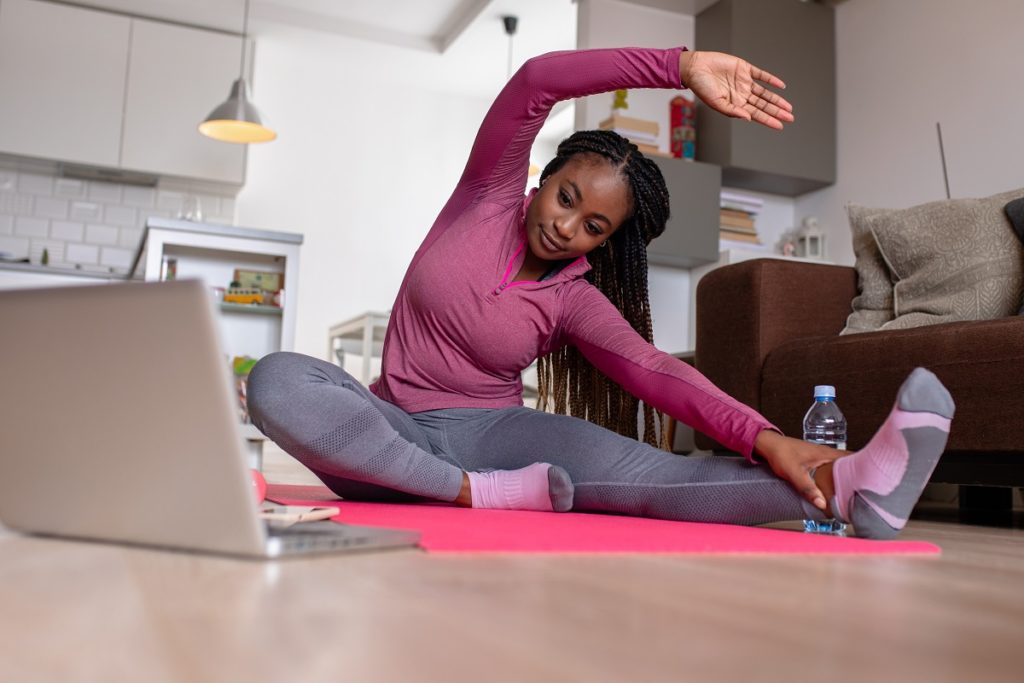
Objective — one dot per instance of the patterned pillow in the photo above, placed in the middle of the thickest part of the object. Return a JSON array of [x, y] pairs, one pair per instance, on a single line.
[[872, 307], [1015, 212], [951, 260]]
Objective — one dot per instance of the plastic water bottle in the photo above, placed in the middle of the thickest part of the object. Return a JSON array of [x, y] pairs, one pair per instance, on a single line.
[[824, 424]]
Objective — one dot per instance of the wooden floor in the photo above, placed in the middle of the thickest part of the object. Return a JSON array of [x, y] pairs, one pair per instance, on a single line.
[[91, 612]]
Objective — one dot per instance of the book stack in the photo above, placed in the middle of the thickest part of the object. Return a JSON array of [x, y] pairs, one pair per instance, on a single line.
[[642, 133], [737, 216]]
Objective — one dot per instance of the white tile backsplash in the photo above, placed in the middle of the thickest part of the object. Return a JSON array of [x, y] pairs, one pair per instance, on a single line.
[[25, 226], [85, 211], [31, 183], [17, 247], [130, 237], [89, 224], [104, 192], [101, 234], [116, 258], [51, 207], [139, 196], [54, 251], [169, 200], [13, 202], [120, 215], [67, 230], [69, 188], [82, 254]]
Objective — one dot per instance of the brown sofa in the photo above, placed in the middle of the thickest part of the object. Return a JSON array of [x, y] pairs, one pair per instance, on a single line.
[[767, 332]]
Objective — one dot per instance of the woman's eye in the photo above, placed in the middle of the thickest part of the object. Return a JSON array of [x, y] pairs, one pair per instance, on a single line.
[[594, 230], [564, 197]]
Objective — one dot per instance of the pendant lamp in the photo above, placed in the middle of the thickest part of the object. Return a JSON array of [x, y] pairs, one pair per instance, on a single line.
[[236, 119]]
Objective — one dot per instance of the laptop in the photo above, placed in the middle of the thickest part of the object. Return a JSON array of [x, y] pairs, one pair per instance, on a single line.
[[118, 423]]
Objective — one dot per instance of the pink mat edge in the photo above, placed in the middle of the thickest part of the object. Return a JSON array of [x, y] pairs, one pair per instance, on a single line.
[[275, 493]]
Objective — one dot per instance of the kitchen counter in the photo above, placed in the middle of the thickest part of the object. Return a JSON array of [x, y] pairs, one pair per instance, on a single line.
[[15, 275], [20, 267]]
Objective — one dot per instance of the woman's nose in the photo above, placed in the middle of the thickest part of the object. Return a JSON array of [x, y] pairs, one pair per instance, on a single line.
[[565, 227]]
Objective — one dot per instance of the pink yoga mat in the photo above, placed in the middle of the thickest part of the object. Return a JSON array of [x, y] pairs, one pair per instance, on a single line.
[[447, 528]]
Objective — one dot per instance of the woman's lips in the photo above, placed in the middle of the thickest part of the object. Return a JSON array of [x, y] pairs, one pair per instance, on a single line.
[[550, 244]]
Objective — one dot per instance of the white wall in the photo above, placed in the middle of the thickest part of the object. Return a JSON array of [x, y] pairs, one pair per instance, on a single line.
[[367, 155], [902, 66]]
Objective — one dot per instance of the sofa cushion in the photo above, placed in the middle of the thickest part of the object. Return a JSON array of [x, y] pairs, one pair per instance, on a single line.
[[951, 260], [872, 307]]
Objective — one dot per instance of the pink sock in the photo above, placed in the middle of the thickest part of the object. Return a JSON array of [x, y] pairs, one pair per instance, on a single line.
[[877, 487], [539, 486]]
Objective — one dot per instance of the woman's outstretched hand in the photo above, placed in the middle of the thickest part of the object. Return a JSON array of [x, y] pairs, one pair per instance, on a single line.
[[735, 87]]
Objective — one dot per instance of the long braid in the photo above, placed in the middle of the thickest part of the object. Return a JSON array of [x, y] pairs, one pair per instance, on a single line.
[[567, 382]]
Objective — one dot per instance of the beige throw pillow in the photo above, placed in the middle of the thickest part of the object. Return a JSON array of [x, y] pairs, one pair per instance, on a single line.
[[872, 307], [951, 260]]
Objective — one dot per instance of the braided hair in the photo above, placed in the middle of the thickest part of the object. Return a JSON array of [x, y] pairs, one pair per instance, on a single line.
[[567, 382]]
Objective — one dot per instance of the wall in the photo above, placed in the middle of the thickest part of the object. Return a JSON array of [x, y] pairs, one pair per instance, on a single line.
[[367, 155], [902, 66]]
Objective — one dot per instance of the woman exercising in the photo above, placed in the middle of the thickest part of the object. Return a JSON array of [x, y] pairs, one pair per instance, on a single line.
[[560, 275]]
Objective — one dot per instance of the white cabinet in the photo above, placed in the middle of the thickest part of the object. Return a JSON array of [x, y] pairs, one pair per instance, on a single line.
[[62, 78], [176, 76], [211, 253], [102, 89]]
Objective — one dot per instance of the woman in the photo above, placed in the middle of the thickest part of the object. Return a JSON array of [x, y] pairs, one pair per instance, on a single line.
[[502, 280]]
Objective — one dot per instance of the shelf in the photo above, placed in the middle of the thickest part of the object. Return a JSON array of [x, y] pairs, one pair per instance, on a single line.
[[251, 308]]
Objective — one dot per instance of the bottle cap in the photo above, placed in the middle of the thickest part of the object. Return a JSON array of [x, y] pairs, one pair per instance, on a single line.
[[824, 391]]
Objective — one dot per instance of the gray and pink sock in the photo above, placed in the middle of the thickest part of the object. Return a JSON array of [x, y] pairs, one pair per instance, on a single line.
[[877, 487], [539, 486]]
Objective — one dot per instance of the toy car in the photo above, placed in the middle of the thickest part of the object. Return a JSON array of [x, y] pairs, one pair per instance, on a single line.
[[242, 295]]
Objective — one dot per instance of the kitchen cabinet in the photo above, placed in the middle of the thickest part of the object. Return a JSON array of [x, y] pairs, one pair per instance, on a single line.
[[111, 91], [62, 75], [176, 76], [795, 41]]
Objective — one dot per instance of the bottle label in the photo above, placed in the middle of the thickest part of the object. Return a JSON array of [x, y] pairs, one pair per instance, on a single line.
[[840, 445]]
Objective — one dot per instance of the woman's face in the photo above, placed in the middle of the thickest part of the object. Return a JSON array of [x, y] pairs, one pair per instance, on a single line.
[[577, 209]]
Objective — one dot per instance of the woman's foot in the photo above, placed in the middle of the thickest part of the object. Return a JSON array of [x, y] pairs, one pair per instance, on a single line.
[[876, 487], [540, 486]]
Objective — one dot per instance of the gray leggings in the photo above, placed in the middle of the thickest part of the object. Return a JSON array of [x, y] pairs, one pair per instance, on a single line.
[[365, 448]]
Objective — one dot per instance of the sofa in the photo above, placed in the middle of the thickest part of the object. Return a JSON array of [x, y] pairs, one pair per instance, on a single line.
[[768, 331]]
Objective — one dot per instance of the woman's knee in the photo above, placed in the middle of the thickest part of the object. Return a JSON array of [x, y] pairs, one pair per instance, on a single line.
[[272, 379]]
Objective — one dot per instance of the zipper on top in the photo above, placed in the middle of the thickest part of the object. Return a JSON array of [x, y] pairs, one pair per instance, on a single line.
[[508, 271]]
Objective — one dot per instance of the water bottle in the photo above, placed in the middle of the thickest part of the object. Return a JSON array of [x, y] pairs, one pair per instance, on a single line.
[[824, 424]]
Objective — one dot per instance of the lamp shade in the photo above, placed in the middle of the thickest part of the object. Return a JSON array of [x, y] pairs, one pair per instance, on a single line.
[[236, 119]]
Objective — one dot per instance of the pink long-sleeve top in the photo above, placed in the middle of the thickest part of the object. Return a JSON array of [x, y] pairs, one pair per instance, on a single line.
[[462, 331]]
